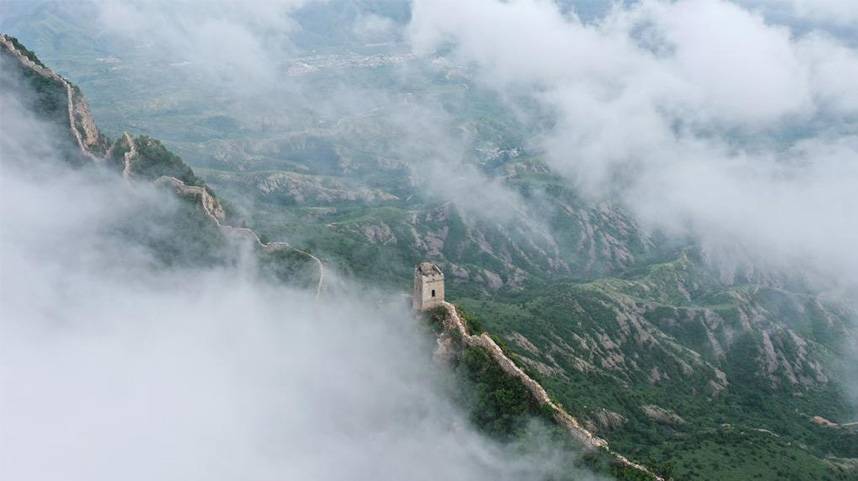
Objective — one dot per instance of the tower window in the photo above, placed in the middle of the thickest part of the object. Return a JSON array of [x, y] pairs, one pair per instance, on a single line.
[[433, 292]]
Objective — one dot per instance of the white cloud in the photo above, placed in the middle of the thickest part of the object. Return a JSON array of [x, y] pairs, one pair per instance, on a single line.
[[234, 45], [836, 12], [832, 66], [743, 71], [702, 116], [110, 368], [375, 28], [240, 51]]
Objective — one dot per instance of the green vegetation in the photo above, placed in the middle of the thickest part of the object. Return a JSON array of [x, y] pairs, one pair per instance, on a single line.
[[598, 345], [608, 318], [154, 161], [436, 317], [185, 238], [49, 99], [500, 404], [27, 52], [502, 407], [474, 326], [289, 266]]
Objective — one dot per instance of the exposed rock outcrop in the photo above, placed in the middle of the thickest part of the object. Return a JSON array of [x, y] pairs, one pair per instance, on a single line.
[[662, 415], [81, 123], [456, 331], [212, 208], [125, 156], [603, 420]]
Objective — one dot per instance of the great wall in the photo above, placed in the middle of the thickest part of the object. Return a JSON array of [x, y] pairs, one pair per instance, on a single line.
[[80, 110], [87, 136], [212, 208], [455, 329]]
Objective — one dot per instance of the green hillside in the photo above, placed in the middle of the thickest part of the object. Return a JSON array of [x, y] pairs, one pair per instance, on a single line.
[[702, 374]]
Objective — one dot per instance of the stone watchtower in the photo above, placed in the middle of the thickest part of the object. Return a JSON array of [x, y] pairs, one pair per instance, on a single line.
[[428, 286]]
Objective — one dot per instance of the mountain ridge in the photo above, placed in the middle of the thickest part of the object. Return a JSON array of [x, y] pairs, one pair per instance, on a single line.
[[124, 156], [658, 356]]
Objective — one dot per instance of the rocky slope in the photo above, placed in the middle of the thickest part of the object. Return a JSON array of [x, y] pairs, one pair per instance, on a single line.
[[147, 160], [674, 353], [456, 336], [640, 340]]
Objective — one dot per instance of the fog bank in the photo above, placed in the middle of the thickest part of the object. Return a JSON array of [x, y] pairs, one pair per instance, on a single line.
[[704, 117], [111, 367]]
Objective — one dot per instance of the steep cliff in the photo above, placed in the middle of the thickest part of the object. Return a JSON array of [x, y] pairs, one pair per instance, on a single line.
[[201, 233], [455, 339], [682, 367]]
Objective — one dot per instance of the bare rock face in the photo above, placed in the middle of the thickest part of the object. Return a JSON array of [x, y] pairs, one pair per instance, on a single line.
[[380, 233], [821, 421], [78, 117], [139, 158], [84, 124], [662, 415], [628, 347], [303, 188], [445, 350], [454, 328], [603, 421], [455, 336], [493, 280], [524, 342], [207, 201]]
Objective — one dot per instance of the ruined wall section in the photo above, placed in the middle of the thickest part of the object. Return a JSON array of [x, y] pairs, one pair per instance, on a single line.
[[210, 206], [123, 156], [80, 120], [455, 329], [428, 286]]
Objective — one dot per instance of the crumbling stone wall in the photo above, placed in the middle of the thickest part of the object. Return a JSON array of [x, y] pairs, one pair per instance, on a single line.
[[454, 329], [428, 286]]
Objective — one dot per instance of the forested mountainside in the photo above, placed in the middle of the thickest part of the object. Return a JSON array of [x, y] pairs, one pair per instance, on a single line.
[[199, 232], [702, 372]]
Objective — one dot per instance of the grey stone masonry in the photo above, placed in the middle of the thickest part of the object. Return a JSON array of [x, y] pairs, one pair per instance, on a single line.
[[428, 286]]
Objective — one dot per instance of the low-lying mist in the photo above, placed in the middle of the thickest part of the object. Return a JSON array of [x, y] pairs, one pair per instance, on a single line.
[[730, 122], [115, 367], [706, 118]]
